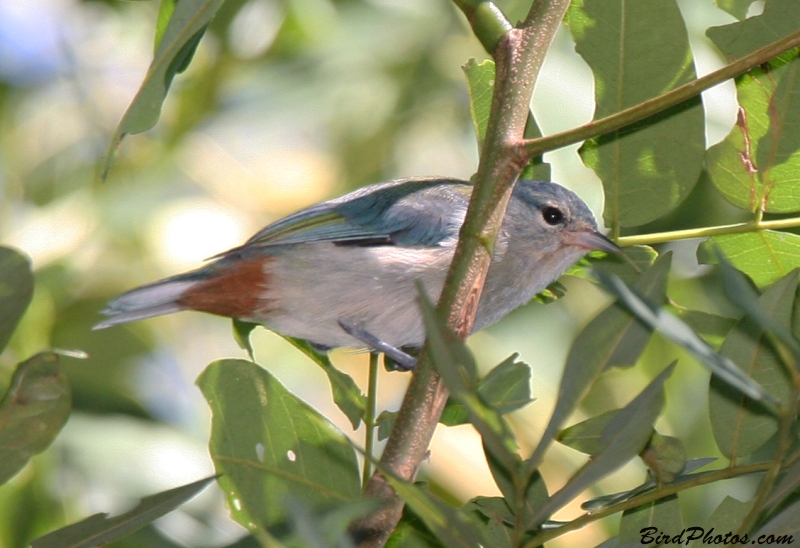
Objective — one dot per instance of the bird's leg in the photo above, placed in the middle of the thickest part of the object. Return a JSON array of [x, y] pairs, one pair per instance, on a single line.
[[402, 360]]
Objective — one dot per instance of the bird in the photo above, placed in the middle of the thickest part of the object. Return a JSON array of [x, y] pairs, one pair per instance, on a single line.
[[344, 273]]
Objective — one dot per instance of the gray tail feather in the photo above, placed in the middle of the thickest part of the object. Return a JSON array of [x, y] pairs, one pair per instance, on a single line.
[[145, 302]]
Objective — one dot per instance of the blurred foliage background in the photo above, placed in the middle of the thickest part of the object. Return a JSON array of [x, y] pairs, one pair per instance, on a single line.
[[285, 104]]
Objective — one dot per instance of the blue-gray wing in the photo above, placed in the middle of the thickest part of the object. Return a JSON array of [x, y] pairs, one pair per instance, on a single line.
[[408, 212]]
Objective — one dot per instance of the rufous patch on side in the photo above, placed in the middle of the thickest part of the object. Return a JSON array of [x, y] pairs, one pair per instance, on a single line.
[[235, 291]]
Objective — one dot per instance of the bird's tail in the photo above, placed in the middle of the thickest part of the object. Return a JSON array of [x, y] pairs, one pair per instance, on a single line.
[[150, 300]]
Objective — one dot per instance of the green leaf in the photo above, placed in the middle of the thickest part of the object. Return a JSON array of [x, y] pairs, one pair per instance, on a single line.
[[165, 11], [680, 333], [757, 166], [494, 518], [456, 366], [327, 529], [268, 444], [505, 388], [637, 51], [665, 456], [452, 526], [480, 83], [663, 514], [623, 438], [411, 532], [386, 420], [99, 529], [241, 334], [711, 327], [16, 290], [628, 266], [740, 425], [786, 486], [585, 436], [737, 8], [614, 337], [782, 528], [727, 516], [765, 255], [535, 492], [176, 47], [346, 393], [33, 411]]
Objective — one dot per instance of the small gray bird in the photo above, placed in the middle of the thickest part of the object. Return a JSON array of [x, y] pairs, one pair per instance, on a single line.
[[343, 272]]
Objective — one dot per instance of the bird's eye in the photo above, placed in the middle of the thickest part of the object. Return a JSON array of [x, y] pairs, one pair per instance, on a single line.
[[552, 215]]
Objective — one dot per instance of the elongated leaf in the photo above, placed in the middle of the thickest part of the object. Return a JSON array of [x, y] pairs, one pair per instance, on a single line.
[[623, 438], [585, 436], [740, 425], [613, 337], [456, 367], [99, 529], [452, 526], [786, 486], [268, 444], [494, 519], [628, 266], [784, 528], [33, 411], [16, 290], [757, 167], [663, 515], [346, 393], [523, 503], [682, 334], [599, 503], [728, 516], [765, 256], [176, 47], [638, 50]]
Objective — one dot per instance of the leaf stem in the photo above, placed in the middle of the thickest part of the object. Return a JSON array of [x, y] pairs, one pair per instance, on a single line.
[[665, 491], [369, 417], [531, 148], [706, 232]]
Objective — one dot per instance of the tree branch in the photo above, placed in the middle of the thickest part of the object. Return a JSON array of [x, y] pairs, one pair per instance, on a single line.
[[518, 54]]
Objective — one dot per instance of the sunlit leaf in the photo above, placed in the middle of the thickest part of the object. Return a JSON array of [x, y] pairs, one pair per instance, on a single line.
[[637, 51], [740, 425], [32, 412], [737, 8], [16, 290], [241, 333], [268, 444], [765, 256], [623, 438], [346, 393], [176, 47], [99, 529], [614, 337], [663, 514], [628, 266], [757, 167]]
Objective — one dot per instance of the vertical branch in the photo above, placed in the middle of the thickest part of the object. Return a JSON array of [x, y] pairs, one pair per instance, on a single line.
[[518, 53]]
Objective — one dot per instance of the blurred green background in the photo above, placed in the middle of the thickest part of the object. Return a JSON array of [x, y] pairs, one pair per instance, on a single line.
[[286, 103]]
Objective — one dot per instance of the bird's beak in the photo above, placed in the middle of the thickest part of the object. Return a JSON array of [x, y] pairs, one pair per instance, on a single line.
[[592, 241]]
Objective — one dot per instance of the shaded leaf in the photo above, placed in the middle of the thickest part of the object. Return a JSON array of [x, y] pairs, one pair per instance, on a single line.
[[268, 444], [494, 519], [665, 456], [99, 529], [585, 436], [711, 327], [386, 420], [33, 411], [452, 526], [783, 526], [680, 333], [534, 495], [623, 438], [599, 503], [765, 256], [741, 426], [411, 532], [613, 337], [16, 290], [346, 393], [787, 485], [241, 334], [327, 529], [637, 51], [628, 266], [727, 516], [176, 46], [664, 515]]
